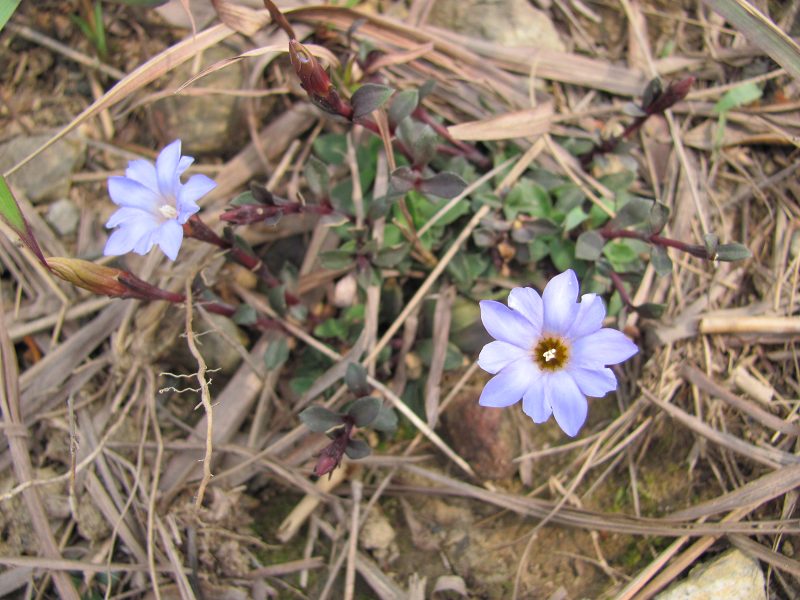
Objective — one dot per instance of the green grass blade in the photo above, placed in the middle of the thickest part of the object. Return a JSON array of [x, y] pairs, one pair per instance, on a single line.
[[11, 214], [761, 31], [7, 8]]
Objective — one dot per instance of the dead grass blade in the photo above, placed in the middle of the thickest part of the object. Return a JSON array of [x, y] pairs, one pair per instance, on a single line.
[[17, 436], [771, 457], [767, 555], [753, 493], [761, 31], [698, 378], [150, 71], [441, 338], [518, 124]]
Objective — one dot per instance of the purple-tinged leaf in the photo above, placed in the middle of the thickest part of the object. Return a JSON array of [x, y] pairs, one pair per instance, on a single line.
[[319, 419], [357, 449], [369, 97], [445, 185], [364, 410]]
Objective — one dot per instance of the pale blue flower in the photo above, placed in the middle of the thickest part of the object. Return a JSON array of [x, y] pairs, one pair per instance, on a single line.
[[154, 204], [551, 351]]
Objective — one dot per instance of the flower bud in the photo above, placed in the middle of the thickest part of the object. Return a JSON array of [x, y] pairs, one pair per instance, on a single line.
[[88, 275], [315, 81], [329, 459], [107, 281]]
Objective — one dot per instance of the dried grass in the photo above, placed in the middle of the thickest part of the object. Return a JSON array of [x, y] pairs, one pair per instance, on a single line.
[[137, 463]]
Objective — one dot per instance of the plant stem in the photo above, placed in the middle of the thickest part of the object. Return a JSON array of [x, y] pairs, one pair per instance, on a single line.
[[659, 240]]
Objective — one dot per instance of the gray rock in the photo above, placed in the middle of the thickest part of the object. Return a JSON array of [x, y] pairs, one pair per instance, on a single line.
[[206, 124], [47, 176], [215, 346], [733, 576], [509, 22], [64, 216]]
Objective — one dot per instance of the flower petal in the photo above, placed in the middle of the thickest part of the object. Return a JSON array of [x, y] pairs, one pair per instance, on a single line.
[[594, 382], [528, 303], [560, 306], [602, 348], [535, 405], [195, 188], [133, 236], [589, 318], [506, 325], [184, 163], [169, 238], [131, 193], [144, 172], [167, 169], [498, 355], [508, 386], [569, 404], [126, 215]]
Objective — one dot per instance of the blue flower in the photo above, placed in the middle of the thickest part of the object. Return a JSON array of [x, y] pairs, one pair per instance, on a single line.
[[551, 351], [154, 204]]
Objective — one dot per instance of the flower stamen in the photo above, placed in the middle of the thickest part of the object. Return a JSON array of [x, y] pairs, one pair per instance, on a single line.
[[551, 353], [168, 211]]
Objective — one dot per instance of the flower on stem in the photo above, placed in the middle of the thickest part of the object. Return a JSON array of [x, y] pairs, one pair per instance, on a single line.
[[551, 351], [154, 204]]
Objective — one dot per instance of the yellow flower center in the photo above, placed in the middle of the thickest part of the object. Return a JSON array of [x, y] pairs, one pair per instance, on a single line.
[[551, 354], [168, 211]]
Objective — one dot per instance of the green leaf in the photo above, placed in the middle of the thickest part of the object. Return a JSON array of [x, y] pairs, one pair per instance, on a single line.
[[364, 410], [420, 139], [618, 182], [738, 96], [619, 253], [659, 215], [369, 97], [336, 259], [733, 251], [574, 217], [660, 260], [244, 199], [319, 419], [356, 379], [391, 256], [528, 198], [245, 315], [7, 8], [562, 253], [711, 241], [589, 245], [331, 148], [357, 449], [403, 105], [332, 328], [277, 298], [386, 420], [635, 211], [277, 353], [11, 214], [317, 177]]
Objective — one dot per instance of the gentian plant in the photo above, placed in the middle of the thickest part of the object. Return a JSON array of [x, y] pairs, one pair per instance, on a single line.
[[551, 352]]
